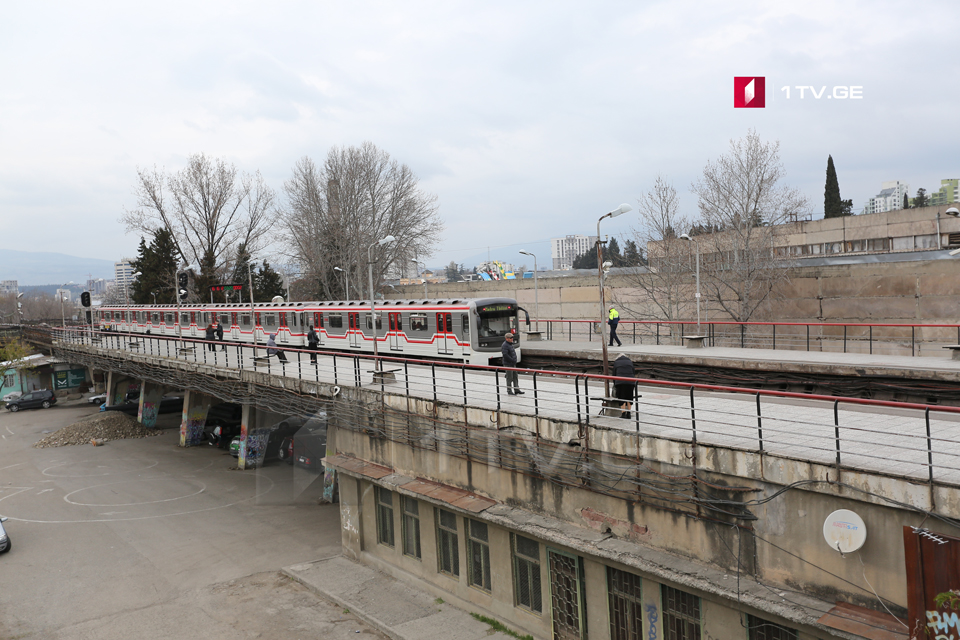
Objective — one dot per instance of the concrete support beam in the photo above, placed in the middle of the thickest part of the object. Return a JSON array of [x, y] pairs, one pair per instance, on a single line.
[[150, 396], [117, 387], [248, 423], [194, 417]]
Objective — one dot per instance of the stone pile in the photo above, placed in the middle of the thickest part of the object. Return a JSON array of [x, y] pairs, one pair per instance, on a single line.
[[102, 427]]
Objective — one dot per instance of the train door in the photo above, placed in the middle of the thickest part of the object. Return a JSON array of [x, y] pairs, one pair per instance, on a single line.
[[465, 333], [445, 342], [396, 331], [283, 330], [318, 325], [353, 328]]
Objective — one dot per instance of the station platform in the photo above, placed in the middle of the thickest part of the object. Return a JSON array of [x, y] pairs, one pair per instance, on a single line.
[[782, 361]]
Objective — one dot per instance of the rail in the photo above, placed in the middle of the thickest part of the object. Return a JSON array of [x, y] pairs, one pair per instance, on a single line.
[[915, 441], [842, 337]]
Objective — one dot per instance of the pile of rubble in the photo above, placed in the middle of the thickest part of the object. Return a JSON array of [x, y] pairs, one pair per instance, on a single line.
[[100, 427]]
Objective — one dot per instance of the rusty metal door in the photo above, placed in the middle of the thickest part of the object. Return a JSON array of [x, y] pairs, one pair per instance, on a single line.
[[566, 596]]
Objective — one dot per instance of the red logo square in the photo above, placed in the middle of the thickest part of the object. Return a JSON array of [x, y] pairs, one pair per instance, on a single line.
[[749, 92]]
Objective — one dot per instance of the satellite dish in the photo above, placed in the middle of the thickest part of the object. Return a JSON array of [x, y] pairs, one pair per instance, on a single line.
[[844, 531]]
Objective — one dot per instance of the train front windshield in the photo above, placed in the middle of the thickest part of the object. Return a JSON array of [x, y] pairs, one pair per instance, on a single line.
[[495, 320]]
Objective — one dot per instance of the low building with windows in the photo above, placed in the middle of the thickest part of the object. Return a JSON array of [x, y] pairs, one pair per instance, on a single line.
[[563, 532]]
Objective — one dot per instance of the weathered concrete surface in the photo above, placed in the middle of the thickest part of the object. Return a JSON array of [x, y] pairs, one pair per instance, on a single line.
[[390, 606]]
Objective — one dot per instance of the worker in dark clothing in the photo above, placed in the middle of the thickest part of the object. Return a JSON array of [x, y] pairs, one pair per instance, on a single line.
[[210, 333], [510, 360], [219, 330], [626, 391], [313, 341], [613, 320]]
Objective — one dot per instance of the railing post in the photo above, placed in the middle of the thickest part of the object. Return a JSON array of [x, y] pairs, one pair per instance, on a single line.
[[929, 446], [658, 334], [463, 376], [759, 424], [808, 337], [496, 376], [742, 327], [693, 416], [871, 339], [836, 430], [576, 383], [913, 338], [536, 400], [774, 337], [844, 338], [586, 395], [335, 382], [433, 379]]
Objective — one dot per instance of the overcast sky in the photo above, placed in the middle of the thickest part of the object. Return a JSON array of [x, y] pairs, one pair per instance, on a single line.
[[527, 120]]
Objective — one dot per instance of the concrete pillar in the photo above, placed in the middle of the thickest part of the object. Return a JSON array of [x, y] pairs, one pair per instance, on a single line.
[[194, 417], [117, 387], [248, 422], [150, 395]]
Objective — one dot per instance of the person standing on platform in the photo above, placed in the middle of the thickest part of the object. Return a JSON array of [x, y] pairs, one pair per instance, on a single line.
[[510, 360], [613, 321], [219, 330], [210, 334], [626, 391], [313, 341]]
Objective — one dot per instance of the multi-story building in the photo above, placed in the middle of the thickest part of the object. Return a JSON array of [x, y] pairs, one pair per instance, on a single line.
[[949, 192], [9, 286], [97, 287], [123, 274], [564, 250], [890, 198]]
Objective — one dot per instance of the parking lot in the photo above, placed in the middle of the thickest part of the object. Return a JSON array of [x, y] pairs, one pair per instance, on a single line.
[[142, 538]]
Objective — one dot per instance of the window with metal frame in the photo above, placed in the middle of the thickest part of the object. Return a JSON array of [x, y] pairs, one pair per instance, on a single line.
[[269, 319], [9, 379], [168, 318], [418, 322], [527, 592], [155, 318], [184, 319], [626, 606], [336, 320], [410, 527], [448, 544], [379, 322], [681, 614], [760, 629], [384, 516], [478, 554], [465, 327]]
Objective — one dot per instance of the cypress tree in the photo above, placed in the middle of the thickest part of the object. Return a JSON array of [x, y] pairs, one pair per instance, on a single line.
[[832, 205]]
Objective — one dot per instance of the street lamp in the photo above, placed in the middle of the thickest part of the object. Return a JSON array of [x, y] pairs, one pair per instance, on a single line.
[[603, 308], [154, 294], [373, 304], [697, 247], [19, 308], [63, 318], [176, 289], [536, 290], [253, 310], [346, 283]]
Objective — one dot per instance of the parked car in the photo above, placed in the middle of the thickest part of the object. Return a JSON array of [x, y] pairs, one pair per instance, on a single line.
[[4, 537], [101, 398], [308, 445], [35, 399], [168, 404]]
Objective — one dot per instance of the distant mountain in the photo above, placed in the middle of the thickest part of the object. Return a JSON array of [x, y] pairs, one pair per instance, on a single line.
[[37, 268]]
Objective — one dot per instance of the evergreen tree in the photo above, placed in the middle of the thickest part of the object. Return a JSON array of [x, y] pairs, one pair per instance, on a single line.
[[612, 253], [846, 207], [267, 283], [156, 263], [921, 200], [587, 260], [632, 255], [832, 205], [206, 278], [453, 272], [240, 275], [906, 203]]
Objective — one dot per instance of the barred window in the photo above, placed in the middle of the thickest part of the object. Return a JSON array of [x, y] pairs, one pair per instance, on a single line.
[[448, 555], [761, 629], [478, 550], [384, 516], [526, 574], [681, 614], [411, 527], [626, 606]]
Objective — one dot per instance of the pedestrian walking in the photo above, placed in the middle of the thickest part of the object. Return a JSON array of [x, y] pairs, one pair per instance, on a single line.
[[220, 336], [313, 341], [626, 391], [510, 360], [211, 333], [272, 349], [613, 321]]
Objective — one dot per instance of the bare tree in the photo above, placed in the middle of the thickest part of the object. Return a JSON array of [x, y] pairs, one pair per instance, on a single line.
[[209, 207], [359, 196], [662, 290], [742, 203]]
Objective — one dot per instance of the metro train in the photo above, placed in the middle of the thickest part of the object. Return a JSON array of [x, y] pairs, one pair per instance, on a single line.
[[465, 330]]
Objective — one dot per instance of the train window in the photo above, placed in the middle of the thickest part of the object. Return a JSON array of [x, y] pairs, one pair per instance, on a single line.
[[336, 320], [270, 319], [245, 319], [184, 319], [225, 319], [293, 319], [319, 320], [303, 318], [155, 319], [418, 322], [465, 324], [168, 318], [379, 322]]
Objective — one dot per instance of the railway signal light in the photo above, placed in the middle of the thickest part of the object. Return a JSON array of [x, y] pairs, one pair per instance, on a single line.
[[85, 298], [182, 280]]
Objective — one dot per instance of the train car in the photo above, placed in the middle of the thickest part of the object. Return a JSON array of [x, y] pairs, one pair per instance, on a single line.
[[465, 330]]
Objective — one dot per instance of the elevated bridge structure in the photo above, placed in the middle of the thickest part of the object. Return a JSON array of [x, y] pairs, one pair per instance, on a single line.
[[698, 482]]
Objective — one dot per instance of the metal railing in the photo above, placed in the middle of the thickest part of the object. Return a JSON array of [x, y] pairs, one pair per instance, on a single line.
[[915, 441], [840, 337]]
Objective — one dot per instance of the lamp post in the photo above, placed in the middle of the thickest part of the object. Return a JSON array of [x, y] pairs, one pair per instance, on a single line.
[[154, 294], [697, 247], [536, 290], [603, 307], [63, 317], [373, 303], [253, 310], [346, 283], [19, 308]]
